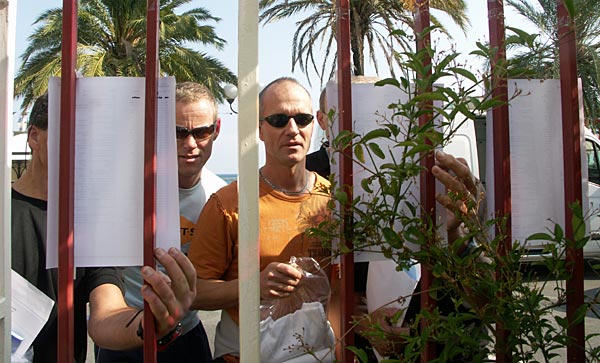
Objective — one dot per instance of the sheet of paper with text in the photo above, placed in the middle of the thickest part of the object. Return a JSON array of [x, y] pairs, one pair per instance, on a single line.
[[109, 171]]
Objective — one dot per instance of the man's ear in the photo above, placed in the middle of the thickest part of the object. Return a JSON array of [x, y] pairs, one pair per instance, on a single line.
[[217, 128], [322, 120], [33, 135]]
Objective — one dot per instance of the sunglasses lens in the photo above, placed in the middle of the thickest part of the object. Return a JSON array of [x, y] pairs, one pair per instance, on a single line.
[[303, 119], [181, 132], [279, 120], [203, 132], [199, 133]]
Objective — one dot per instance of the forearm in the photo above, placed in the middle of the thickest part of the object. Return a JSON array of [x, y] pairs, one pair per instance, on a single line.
[[216, 294], [109, 317]]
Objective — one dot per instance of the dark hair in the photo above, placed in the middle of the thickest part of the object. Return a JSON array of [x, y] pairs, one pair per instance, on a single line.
[[39, 113]]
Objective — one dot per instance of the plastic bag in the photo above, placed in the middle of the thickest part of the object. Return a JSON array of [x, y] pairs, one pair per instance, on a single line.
[[313, 287], [293, 326]]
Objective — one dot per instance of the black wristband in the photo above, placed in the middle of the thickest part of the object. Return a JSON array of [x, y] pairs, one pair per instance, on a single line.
[[163, 343], [140, 331]]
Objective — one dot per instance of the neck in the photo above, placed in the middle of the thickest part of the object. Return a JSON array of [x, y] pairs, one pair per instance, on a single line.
[[294, 181], [33, 183], [187, 182]]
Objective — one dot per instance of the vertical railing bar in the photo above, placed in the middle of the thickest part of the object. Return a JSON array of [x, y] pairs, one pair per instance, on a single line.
[[151, 73], [502, 189], [427, 182], [572, 171], [345, 123], [66, 188], [248, 224], [8, 14]]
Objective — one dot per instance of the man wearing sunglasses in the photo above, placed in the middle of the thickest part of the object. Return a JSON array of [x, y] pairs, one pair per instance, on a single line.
[[291, 199], [197, 127], [111, 322]]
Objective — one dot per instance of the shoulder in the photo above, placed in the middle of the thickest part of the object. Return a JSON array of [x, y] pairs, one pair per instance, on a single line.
[[226, 198], [321, 184], [97, 276], [22, 202]]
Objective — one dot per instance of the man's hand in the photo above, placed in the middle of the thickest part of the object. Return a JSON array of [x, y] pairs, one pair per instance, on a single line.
[[381, 331], [278, 280], [464, 194], [169, 296]]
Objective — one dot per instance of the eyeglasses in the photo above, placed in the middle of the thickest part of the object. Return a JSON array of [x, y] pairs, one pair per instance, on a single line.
[[279, 120], [199, 133]]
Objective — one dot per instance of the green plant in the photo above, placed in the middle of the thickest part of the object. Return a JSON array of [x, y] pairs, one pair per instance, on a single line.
[[473, 294]]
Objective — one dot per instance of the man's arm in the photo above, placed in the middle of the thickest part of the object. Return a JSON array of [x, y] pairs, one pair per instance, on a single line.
[[169, 296], [277, 280], [215, 294]]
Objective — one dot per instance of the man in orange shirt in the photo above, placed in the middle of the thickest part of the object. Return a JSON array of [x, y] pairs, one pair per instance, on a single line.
[[291, 199]]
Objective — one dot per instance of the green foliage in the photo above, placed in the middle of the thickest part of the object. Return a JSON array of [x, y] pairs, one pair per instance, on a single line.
[[112, 42], [475, 289], [373, 25], [536, 55]]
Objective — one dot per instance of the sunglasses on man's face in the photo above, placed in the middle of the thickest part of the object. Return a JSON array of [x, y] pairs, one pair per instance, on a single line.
[[199, 133], [279, 120]]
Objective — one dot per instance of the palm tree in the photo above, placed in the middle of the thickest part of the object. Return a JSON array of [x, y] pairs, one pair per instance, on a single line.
[[112, 42], [371, 24], [541, 59]]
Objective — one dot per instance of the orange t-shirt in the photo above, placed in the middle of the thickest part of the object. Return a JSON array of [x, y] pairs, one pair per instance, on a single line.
[[283, 221]]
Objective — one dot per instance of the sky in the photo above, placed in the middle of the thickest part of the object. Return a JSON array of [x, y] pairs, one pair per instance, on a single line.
[[275, 54]]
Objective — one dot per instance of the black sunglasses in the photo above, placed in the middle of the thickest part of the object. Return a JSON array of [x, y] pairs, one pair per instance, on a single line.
[[279, 120], [199, 133]]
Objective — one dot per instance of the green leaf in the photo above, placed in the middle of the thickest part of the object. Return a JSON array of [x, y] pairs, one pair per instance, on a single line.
[[418, 149], [570, 6], [377, 133], [359, 152], [359, 353], [465, 73], [365, 184], [388, 81], [392, 238], [490, 103], [376, 150], [341, 196], [539, 237]]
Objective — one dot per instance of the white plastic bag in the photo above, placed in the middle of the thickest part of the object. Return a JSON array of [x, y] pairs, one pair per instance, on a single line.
[[295, 325]]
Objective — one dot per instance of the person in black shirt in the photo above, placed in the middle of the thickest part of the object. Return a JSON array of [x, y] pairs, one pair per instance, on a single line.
[[112, 323], [318, 161]]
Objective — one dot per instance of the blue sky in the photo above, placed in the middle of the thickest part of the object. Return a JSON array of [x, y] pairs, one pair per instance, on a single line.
[[274, 57]]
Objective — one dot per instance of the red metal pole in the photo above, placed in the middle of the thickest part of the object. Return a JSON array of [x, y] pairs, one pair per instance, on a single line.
[[502, 192], [427, 194], [572, 170], [152, 19], [345, 117], [66, 187]]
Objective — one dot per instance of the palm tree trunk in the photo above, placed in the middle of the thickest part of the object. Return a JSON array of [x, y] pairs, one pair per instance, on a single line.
[[358, 58]]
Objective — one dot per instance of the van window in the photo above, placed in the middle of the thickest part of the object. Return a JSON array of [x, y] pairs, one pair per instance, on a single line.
[[591, 150]]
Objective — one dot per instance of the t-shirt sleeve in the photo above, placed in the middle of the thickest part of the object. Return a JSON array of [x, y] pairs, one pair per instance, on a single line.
[[211, 250], [97, 276]]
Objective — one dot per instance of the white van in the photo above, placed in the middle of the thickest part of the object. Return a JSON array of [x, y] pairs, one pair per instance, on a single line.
[[592, 154]]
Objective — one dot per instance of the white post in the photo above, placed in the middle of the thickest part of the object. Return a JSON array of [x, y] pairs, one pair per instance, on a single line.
[[8, 12], [249, 278]]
